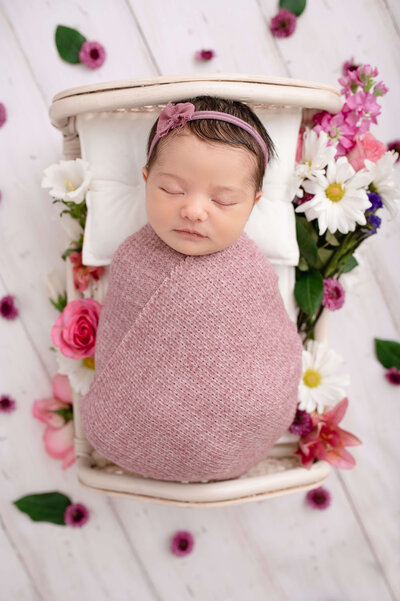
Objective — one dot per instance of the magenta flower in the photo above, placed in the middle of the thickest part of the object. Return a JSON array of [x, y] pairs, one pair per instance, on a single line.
[[92, 54], [318, 498], [7, 308], [338, 130], [302, 423], [349, 66], [334, 294], [380, 89], [393, 376], [182, 543], [366, 72], [204, 55], [283, 24], [395, 145], [361, 105], [3, 114], [76, 514], [7, 404]]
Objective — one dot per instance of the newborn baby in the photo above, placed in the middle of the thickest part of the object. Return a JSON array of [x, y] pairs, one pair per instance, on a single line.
[[197, 361]]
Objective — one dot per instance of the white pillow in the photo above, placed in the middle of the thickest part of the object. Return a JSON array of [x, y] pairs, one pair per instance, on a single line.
[[114, 144]]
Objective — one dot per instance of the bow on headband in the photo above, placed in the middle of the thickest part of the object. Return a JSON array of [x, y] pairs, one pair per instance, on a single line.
[[174, 115]]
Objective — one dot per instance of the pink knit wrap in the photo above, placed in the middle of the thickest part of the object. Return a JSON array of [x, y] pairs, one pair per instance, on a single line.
[[197, 361]]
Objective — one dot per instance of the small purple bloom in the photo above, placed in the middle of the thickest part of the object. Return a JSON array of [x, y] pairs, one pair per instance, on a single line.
[[395, 145], [283, 24], [7, 308], [92, 54], [76, 514], [376, 201], [182, 543], [373, 220], [334, 294], [3, 114], [204, 55], [7, 404], [318, 498], [393, 376], [302, 423]]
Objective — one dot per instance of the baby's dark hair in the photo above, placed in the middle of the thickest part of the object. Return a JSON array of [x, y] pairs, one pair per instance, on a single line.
[[214, 130]]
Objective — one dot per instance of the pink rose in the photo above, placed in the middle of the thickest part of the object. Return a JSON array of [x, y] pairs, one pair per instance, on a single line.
[[43, 409], [74, 331], [367, 147], [59, 443]]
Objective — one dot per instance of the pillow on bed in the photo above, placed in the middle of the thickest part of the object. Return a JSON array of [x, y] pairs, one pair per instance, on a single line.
[[114, 145]]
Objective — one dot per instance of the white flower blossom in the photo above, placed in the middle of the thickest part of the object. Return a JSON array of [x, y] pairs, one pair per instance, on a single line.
[[67, 180], [382, 176]]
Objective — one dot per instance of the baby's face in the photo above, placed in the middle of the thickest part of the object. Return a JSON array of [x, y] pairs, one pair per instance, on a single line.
[[187, 188]]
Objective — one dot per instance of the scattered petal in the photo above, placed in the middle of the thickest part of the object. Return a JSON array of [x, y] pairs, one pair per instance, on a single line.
[[319, 498], [7, 404], [7, 308], [182, 543], [204, 55], [92, 54], [393, 376], [283, 24], [76, 514]]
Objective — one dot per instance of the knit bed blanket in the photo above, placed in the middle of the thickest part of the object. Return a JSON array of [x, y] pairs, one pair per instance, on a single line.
[[197, 362]]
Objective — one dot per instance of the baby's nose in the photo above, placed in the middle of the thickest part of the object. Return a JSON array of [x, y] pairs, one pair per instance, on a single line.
[[194, 207]]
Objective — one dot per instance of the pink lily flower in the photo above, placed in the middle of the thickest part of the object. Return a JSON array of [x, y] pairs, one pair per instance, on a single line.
[[327, 441]]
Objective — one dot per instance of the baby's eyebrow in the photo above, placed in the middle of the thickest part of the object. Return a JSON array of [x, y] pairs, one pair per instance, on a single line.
[[229, 188]]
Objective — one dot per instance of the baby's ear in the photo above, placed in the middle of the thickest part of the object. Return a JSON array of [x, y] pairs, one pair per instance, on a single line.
[[258, 196], [145, 173]]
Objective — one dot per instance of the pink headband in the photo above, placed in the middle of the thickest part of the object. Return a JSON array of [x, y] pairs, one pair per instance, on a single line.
[[176, 115]]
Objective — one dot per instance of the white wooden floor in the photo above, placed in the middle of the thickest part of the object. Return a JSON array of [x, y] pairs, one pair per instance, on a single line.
[[275, 550]]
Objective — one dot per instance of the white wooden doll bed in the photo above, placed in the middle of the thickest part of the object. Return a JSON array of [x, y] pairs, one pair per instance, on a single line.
[[107, 124]]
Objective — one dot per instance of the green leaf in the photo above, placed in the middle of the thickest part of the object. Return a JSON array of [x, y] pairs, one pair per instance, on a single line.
[[45, 507], [350, 264], [307, 245], [388, 352], [61, 302], [303, 265], [324, 254], [295, 6], [308, 225], [309, 291], [69, 42], [333, 241]]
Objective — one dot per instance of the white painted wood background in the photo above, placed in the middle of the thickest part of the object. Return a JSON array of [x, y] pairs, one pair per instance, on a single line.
[[274, 550]]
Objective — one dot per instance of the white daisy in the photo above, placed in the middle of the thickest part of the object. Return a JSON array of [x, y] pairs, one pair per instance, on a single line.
[[315, 155], [382, 174], [340, 197], [320, 386], [69, 180], [79, 371]]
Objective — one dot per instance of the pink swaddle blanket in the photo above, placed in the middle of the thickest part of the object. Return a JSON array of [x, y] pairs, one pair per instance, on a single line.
[[197, 361]]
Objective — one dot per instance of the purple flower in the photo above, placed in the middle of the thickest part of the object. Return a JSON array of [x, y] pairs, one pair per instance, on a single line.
[[7, 404], [302, 423], [92, 54], [182, 543], [395, 145], [376, 201], [318, 498], [283, 24], [3, 114], [204, 55], [76, 514], [334, 294], [7, 308], [373, 220], [393, 376]]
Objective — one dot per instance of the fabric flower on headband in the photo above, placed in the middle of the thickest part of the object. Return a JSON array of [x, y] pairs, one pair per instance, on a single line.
[[174, 115]]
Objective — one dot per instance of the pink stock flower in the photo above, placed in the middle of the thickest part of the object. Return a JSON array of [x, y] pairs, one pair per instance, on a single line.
[[366, 72], [327, 441], [367, 147], [361, 105], [338, 130], [350, 83], [74, 331], [334, 294], [349, 67], [83, 273], [92, 54], [283, 24], [380, 89]]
